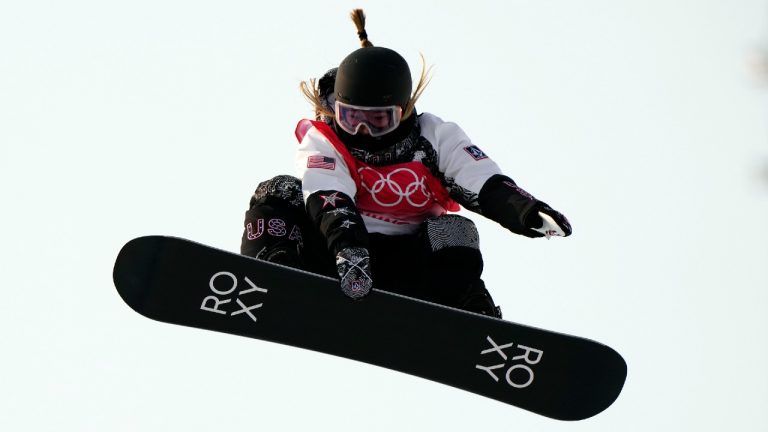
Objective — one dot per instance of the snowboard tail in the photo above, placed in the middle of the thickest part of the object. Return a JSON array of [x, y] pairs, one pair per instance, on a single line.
[[186, 283]]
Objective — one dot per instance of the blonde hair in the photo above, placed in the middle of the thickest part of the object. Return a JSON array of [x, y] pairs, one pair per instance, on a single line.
[[311, 90], [311, 93]]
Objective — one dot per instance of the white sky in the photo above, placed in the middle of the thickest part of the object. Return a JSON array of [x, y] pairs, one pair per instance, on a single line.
[[640, 120]]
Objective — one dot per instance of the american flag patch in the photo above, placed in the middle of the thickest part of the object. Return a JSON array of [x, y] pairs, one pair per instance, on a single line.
[[320, 161]]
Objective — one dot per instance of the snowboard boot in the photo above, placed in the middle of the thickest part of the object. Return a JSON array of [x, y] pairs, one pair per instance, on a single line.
[[283, 255], [478, 299]]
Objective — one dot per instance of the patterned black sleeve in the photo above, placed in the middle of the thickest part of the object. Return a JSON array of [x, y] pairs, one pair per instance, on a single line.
[[501, 200], [335, 215]]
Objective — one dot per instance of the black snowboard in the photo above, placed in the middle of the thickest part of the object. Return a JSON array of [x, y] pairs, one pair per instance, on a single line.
[[181, 282]]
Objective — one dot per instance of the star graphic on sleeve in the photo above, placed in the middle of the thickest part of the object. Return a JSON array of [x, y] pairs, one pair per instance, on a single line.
[[331, 199], [344, 211], [348, 223]]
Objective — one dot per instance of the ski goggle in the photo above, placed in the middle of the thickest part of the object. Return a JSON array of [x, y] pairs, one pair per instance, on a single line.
[[378, 120]]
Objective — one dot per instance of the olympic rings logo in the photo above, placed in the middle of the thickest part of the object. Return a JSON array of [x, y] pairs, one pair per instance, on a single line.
[[386, 188]]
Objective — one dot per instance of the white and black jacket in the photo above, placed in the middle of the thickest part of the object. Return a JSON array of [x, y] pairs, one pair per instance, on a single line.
[[350, 192]]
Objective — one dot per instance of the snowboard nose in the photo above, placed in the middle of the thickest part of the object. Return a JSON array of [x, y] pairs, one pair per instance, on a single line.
[[134, 268]]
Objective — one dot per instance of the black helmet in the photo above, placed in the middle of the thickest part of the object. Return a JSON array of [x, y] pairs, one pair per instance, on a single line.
[[373, 76]]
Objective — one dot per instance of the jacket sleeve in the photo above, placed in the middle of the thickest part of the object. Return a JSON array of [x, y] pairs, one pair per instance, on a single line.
[[476, 181], [329, 190], [463, 166]]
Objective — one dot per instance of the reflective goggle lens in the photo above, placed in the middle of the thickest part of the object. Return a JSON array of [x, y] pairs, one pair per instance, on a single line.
[[378, 120]]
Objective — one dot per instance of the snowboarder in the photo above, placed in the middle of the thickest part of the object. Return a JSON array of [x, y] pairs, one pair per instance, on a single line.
[[375, 183]]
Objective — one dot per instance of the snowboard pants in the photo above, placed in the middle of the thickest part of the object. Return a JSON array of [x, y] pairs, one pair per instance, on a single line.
[[441, 263]]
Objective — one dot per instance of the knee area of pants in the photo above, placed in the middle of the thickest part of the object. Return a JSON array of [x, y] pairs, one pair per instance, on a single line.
[[282, 188], [451, 231], [457, 264]]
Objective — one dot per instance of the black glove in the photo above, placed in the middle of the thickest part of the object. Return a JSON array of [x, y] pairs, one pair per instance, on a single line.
[[503, 201], [353, 265], [546, 222]]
